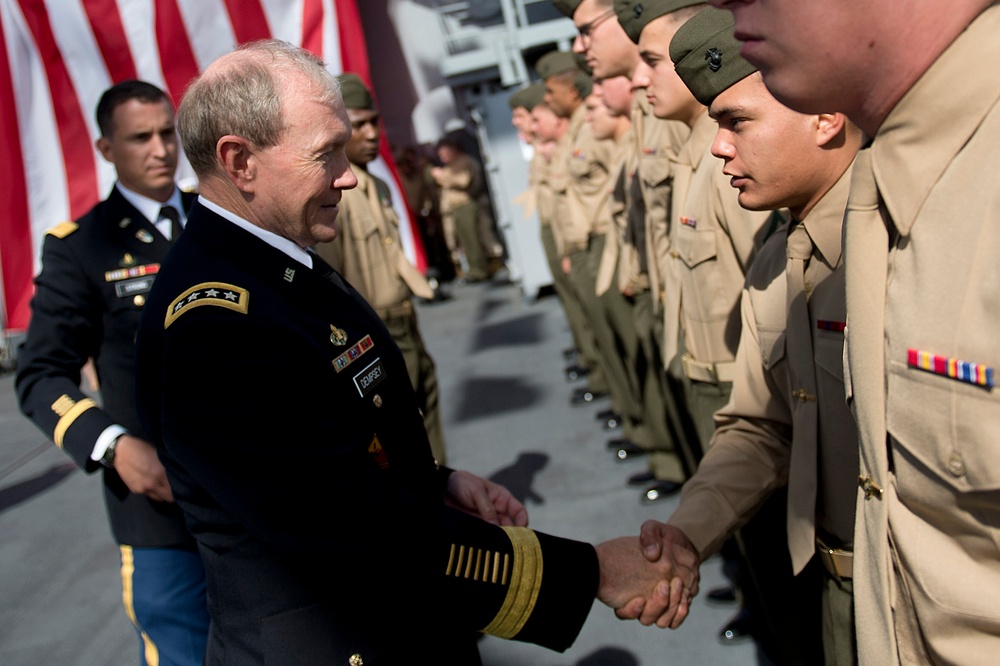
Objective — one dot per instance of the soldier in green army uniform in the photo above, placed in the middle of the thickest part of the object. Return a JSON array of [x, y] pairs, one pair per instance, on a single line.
[[368, 252]]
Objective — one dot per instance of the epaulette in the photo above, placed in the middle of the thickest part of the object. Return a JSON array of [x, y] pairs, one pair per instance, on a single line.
[[219, 294], [62, 230]]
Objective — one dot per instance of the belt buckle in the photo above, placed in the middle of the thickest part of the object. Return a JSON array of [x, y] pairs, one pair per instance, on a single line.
[[836, 560]]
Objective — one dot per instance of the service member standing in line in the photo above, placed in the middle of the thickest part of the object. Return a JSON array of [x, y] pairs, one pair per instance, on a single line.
[[288, 426], [461, 181], [787, 420], [369, 254], [610, 53], [713, 242], [96, 274], [543, 128], [920, 254]]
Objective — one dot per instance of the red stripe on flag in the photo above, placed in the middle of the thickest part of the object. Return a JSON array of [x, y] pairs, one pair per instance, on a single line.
[[78, 156], [312, 27], [353, 50], [248, 20], [176, 55], [15, 232], [109, 32]]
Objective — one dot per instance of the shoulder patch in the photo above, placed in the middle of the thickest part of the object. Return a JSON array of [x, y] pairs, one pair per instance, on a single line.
[[62, 230], [219, 294]]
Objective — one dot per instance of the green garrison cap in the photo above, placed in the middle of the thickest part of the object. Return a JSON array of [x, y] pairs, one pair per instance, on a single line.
[[557, 62], [707, 56], [528, 97], [567, 7], [634, 15], [354, 92]]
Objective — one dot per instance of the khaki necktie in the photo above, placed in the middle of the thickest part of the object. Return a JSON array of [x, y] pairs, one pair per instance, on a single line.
[[798, 343], [672, 316], [411, 276], [171, 214]]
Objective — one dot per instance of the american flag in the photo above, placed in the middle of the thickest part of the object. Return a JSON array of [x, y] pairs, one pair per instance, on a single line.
[[58, 56]]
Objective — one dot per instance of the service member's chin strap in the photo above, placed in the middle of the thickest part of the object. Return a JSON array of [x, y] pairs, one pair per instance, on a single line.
[[525, 581]]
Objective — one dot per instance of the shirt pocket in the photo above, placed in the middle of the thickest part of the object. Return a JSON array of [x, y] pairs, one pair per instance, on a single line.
[[951, 427]]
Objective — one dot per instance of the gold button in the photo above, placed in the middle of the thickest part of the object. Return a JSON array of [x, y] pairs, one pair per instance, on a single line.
[[139, 300], [356, 660], [377, 400], [387, 240], [675, 254], [955, 465], [808, 286]]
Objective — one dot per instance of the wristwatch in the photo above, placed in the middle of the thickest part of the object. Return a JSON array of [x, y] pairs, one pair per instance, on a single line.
[[108, 459]]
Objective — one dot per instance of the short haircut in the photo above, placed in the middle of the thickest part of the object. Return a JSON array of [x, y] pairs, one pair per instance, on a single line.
[[122, 92], [576, 79], [242, 95]]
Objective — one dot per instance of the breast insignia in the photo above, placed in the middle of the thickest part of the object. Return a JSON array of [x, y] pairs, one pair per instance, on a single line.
[[337, 336], [218, 294], [144, 236]]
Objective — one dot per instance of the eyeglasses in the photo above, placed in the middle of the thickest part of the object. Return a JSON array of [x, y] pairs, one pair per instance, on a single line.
[[587, 29]]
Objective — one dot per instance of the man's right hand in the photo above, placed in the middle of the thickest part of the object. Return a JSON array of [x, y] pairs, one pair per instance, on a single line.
[[664, 542], [140, 468]]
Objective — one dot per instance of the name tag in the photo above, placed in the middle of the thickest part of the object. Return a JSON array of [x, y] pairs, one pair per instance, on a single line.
[[370, 377], [132, 287]]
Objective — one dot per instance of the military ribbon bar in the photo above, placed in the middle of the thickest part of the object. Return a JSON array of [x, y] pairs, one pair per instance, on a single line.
[[963, 371], [825, 325]]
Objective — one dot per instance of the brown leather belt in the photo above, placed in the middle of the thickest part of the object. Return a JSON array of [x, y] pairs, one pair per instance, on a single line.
[[838, 562]]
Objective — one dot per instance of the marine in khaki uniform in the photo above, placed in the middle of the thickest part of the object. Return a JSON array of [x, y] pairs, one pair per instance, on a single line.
[[369, 254], [543, 128], [461, 180], [581, 180], [610, 53], [713, 241], [786, 421], [920, 249]]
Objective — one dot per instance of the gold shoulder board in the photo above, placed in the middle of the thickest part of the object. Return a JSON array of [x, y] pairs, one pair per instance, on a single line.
[[62, 230]]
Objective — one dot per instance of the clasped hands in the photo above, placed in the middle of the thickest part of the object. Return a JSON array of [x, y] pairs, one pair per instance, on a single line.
[[651, 578]]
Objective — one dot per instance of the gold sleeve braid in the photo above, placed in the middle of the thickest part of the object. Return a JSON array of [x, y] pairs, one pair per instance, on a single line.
[[525, 580]]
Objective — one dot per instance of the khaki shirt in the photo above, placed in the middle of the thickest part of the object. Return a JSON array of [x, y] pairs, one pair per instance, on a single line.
[[460, 182], [616, 253], [579, 175], [660, 141], [712, 242], [928, 441], [766, 424], [367, 250], [538, 181]]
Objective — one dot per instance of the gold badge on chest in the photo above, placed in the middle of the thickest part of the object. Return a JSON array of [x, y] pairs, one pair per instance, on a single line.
[[337, 336]]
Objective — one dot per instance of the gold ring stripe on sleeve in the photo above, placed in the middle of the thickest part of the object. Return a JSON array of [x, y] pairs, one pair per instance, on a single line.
[[67, 419], [525, 581]]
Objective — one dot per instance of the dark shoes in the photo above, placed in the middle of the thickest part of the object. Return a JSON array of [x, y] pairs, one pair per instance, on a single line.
[[739, 629], [722, 596], [625, 449], [569, 353], [609, 419], [585, 396], [660, 490], [575, 372], [641, 479]]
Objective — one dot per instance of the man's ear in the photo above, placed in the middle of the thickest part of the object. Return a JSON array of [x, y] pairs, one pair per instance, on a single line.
[[829, 126], [238, 161], [104, 147]]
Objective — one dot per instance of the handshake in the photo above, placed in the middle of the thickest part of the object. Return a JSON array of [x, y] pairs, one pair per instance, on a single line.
[[651, 578]]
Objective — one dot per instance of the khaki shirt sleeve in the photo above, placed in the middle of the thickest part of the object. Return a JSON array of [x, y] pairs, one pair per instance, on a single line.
[[749, 454]]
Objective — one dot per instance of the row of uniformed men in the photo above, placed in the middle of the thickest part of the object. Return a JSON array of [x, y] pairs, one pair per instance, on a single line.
[[673, 193]]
